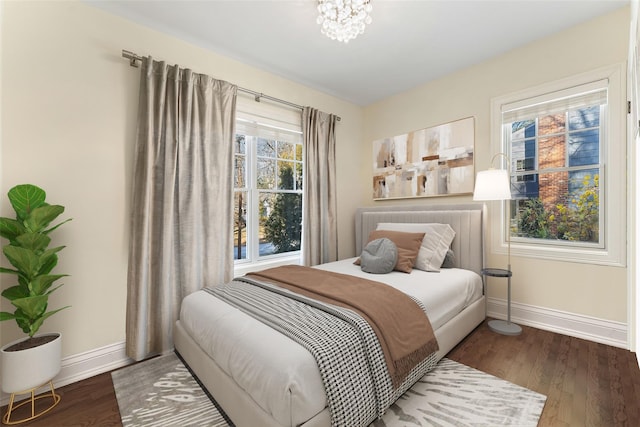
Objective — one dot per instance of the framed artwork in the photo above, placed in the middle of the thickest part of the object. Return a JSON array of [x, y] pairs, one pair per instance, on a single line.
[[435, 161]]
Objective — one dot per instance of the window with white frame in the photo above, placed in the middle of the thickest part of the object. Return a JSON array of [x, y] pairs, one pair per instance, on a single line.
[[567, 150], [267, 182]]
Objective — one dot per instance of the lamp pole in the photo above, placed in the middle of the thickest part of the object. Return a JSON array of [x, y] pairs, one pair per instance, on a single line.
[[495, 185]]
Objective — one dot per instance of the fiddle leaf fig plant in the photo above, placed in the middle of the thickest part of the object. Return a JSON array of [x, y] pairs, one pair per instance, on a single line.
[[29, 253]]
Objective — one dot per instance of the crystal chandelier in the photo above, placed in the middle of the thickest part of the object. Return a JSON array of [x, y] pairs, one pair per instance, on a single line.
[[343, 19]]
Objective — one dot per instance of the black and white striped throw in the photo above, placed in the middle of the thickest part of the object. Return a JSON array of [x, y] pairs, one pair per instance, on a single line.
[[351, 362]]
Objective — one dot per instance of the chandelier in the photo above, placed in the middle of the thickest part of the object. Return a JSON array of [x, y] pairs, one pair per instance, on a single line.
[[343, 20]]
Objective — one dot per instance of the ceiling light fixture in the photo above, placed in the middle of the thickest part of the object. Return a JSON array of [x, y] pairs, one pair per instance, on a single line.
[[343, 20]]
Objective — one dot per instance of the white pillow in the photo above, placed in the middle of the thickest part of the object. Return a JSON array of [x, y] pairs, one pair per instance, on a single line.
[[435, 244]]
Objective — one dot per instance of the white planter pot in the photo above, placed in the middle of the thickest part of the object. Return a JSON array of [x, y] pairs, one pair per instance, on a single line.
[[26, 369]]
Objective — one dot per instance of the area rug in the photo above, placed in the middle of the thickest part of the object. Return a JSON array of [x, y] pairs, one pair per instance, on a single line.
[[453, 394], [162, 392]]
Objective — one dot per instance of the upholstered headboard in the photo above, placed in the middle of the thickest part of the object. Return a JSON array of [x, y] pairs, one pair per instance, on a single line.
[[466, 220]]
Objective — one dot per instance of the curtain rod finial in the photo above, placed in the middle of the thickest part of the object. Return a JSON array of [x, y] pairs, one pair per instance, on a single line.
[[132, 57]]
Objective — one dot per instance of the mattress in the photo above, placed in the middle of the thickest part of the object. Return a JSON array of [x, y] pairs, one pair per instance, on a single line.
[[280, 375]]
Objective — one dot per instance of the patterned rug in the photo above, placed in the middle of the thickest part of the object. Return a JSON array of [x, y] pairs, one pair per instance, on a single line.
[[161, 392], [453, 394]]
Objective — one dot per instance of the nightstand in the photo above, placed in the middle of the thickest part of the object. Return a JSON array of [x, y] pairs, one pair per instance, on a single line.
[[502, 326]]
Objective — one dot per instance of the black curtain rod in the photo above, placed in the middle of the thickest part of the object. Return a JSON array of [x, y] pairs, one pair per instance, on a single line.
[[134, 58]]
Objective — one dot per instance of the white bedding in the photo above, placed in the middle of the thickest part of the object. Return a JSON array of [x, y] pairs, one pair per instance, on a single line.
[[279, 374], [444, 294]]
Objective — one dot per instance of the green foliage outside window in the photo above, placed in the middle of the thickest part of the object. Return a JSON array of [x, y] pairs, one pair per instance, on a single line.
[[575, 220], [534, 220], [283, 228]]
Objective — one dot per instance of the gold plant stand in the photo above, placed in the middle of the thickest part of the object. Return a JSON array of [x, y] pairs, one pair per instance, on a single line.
[[10, 408]]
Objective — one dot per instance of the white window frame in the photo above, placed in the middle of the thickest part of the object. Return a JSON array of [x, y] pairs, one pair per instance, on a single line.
[[274, 119], [613, 164]]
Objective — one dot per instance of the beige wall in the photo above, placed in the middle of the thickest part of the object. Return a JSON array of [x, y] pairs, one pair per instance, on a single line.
[[69, 104], [68, 121], [584, 289]]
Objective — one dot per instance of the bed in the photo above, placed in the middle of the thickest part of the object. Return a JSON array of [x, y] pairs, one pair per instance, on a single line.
[[261, 377]]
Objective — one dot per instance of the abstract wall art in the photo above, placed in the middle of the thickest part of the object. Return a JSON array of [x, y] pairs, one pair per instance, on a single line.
[[435, 161]]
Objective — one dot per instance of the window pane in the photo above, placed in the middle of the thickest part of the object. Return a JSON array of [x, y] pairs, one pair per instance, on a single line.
[[523, 129], [577, 218], [580, 181], [554, 123], [280, 222], [286, 150], [554, 188], [266, 179], [240, 225], [529, 219], [265, 207], [240, 146], [299, 152], [286, 175], [266, 148], [584, 118], [240, 172], [299, 176], [584, 148], [564, 207], [551, 152]]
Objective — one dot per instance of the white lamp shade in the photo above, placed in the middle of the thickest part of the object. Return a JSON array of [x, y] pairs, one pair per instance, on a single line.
[[492, 184]]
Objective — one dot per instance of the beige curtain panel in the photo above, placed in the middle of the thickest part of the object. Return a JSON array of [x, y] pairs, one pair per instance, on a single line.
[[319, 212], [181, 219]]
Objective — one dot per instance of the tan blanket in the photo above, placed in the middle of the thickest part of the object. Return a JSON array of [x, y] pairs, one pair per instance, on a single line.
[[402, 327]]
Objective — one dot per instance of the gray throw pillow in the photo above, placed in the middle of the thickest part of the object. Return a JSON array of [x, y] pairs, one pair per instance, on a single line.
[[379, 256], [449, 260]]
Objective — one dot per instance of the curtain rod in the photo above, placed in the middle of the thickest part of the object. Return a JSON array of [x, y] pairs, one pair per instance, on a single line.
[[133, 58]]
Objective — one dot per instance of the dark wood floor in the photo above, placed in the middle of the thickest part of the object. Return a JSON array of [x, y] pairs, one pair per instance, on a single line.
[[586, 384]]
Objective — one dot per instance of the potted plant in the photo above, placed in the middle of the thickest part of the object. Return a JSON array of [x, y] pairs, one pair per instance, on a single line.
[[34, 360]]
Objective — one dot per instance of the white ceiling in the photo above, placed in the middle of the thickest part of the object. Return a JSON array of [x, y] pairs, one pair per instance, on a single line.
[[407, 44]]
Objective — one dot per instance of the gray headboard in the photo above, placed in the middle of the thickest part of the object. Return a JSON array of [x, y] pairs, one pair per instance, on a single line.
[[465, 219]]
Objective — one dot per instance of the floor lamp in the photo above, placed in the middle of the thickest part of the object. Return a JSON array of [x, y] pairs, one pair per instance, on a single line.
[[494, 184]]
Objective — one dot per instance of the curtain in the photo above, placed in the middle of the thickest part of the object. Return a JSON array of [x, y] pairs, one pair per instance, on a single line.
[[181, 220], [319, 212]]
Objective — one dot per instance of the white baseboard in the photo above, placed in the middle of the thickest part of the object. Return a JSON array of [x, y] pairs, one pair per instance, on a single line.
[[576, 325], [90, 363], [86, 365]]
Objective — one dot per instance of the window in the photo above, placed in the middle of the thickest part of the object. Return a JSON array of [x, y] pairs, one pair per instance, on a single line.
[[555, 152], [567, 151], [267, 183]]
